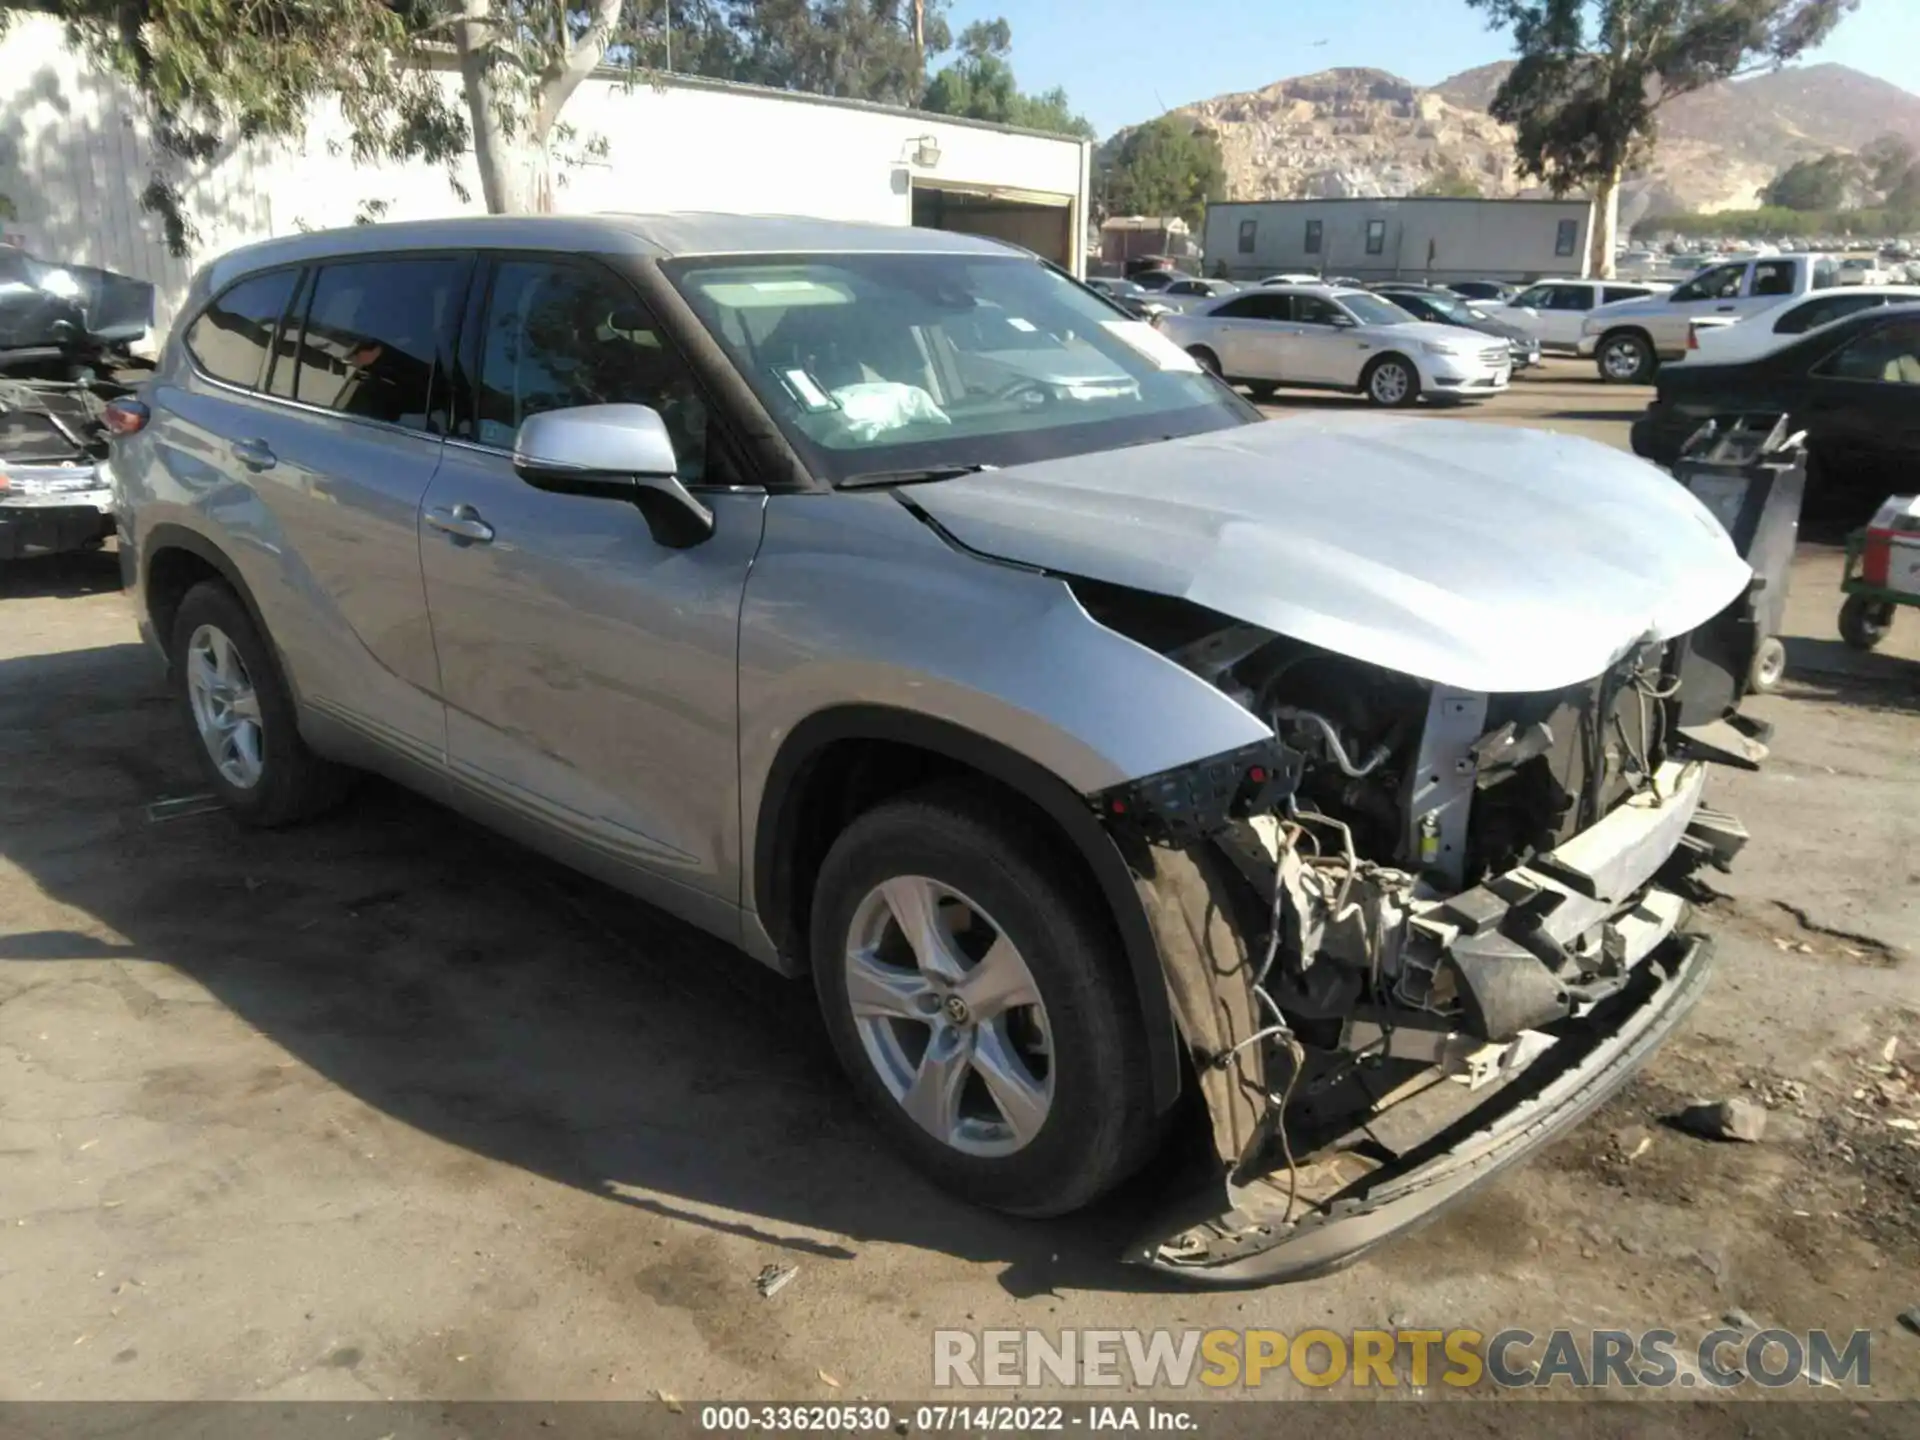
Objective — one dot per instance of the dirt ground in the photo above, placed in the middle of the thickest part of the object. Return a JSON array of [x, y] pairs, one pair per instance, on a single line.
[[386, 1107]]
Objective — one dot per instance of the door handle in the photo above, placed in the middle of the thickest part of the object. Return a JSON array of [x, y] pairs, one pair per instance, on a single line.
[[462, 522], [1725, 309], [254, 454]]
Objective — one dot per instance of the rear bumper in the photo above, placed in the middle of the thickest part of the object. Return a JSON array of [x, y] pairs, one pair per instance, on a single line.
[[36, 527], [1591, 1059]]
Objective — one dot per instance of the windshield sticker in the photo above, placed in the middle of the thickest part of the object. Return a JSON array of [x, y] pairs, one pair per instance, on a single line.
[[1017, 323], [1151, 343], [807, 390]]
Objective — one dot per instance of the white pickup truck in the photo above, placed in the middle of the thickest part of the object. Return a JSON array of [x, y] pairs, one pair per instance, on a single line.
[[1629, 340]]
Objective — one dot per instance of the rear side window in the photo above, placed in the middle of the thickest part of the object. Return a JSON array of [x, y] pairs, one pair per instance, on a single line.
[[1569, 297], [378, 338], [1816, 313], [1774, 277], [231, 337], [1614, 293], [1889, 355], [1254, 307]]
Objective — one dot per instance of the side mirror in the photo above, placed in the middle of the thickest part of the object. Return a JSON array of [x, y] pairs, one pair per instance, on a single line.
[[613, 452], [1343, 322]]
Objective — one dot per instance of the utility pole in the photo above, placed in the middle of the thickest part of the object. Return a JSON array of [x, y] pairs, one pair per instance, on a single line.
[[920, 35], [667, 5]]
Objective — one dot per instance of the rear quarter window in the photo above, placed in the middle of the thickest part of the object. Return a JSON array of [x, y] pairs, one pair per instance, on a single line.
[[231, 337]]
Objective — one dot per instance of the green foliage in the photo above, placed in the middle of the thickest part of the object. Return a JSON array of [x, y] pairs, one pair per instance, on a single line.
[[1774, 222], [856, 49], [1888, 161], [1819, 184], [980, 85], [1591, 77], [1163, 168], [7, 210], [1453, 183]]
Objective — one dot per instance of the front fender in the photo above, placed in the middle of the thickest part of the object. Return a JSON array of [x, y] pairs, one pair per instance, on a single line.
[[860, 621]]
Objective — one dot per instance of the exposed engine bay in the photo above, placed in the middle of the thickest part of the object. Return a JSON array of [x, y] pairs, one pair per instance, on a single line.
[[1414, 911], [54, 492]]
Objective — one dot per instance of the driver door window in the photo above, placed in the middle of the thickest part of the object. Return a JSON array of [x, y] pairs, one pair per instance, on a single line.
[[559, 334], [1722, 282], [1313, 310]]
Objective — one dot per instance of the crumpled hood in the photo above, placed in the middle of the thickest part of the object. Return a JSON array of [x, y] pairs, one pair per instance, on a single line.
[[1475, 556]]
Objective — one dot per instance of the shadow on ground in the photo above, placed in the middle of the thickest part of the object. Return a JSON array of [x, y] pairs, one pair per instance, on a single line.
[[481, 994], [60, 577]]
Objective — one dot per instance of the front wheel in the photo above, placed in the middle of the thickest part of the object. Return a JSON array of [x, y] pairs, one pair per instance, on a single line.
[[1864, 622], [1626, 358], [1392, 382], [968, 985], [1209, 361]]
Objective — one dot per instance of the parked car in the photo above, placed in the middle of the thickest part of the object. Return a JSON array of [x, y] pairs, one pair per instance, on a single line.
[[1075, 741], [65, 322], [1136, 300], [1718, 340], [1443, 307], [1293, 277], [1862, 270], [53, 440], [1320, 337], [1185, 293], [1158, 279], [1853, 386], [1497, 291], [1628, 341], [1554, 310]]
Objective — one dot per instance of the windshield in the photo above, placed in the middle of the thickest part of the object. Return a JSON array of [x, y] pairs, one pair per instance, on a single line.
[[890, 362], [1371, 309]]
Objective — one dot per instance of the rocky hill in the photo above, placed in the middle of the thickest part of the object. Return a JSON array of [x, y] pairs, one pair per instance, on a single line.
[[1367, 132]]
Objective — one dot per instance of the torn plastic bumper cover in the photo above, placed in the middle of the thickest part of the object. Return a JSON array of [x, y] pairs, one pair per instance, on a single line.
[[1345, 1110]]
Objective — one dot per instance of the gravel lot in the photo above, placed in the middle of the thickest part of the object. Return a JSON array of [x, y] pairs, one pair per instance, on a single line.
[[386, 1107]]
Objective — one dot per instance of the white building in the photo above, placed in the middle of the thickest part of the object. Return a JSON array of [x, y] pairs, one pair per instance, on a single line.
[[1414, 238], [75, 155]]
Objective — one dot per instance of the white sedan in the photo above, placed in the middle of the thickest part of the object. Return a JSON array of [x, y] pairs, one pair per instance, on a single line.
[[1321, 337], [1713, 341]]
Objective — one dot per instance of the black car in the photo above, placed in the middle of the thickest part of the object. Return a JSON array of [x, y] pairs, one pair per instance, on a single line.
[[1443, 307], [1853, 386], [1134, 299], [1498, 291], [61, 318]]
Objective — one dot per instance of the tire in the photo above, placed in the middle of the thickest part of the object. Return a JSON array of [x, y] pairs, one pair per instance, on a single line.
[[1382, 388], [1625, 357], [1864, 622], [1084, 1096], [1769, 666], [1209, 361], [255, 761]]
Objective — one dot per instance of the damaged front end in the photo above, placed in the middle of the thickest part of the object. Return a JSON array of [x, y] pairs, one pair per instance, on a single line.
[[1416, 934]]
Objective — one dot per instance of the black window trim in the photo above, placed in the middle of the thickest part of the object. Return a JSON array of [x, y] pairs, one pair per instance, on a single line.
[[1376, 227], [1315, 238], [303, 291]]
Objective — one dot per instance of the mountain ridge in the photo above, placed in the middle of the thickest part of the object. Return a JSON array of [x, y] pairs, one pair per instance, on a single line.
[[1362, 131]]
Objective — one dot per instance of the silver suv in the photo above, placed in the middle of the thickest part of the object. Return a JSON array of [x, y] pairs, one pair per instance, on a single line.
[[892, 606]]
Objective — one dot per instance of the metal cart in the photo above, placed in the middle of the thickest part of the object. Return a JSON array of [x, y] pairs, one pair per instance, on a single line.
[[1883, 571], [1751, 472]]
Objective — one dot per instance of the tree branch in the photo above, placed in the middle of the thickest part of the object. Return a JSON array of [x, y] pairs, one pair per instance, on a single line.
[[573, 61]]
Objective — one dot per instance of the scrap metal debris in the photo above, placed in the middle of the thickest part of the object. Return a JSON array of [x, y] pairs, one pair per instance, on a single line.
[[772, 1279], [181, 807]]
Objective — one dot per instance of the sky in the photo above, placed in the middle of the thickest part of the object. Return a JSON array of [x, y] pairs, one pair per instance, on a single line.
[[1123, 61]]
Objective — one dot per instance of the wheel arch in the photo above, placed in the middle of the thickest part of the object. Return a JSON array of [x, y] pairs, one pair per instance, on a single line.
[[173, 559], [838, 762]]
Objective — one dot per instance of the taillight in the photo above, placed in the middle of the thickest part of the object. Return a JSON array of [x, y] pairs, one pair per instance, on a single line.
[[125, 417], [1693, 338]]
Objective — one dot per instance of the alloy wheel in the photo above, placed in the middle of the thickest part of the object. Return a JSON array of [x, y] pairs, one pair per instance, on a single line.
[[1622, 359], [226, 707], [949, 1016], [1390, 383]]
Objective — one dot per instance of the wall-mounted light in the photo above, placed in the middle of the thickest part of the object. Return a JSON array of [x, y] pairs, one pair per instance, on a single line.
[[926, 152]]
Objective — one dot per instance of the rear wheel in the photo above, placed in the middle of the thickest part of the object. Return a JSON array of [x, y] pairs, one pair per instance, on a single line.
[[1864, 622], [1209, 361], [1391, 381], [968, 985], [1626, 358], [239, 709], [1262, 390]]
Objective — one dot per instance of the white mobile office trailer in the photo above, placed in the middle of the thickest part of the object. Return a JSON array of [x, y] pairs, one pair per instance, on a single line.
[[1415, 238]]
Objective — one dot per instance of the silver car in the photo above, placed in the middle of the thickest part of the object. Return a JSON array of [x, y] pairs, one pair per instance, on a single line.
[[1108, 761]]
